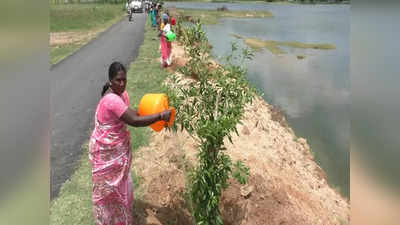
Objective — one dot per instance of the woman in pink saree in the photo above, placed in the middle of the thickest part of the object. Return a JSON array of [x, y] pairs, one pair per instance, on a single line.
[[165, 45], [110, 150]]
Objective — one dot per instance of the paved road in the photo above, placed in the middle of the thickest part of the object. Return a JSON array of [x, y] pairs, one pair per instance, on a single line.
[[75, 91]]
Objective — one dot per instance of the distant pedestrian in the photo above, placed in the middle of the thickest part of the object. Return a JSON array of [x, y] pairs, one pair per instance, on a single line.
[[164, 15], [173, 21], [153, 17], [157, 14], [165, 45]]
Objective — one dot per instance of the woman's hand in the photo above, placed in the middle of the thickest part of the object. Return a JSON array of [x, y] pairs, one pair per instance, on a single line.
[[166, 115], [133, 118]]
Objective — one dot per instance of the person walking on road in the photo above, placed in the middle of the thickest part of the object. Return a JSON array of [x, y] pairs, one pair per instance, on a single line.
[[110, 150]]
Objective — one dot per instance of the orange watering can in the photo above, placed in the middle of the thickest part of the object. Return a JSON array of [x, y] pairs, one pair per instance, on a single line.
[[156, 103]]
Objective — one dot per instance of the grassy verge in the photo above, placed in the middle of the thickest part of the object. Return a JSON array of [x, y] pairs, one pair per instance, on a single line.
[[74, 204], [213, 16], [59, 52], [74, 25]]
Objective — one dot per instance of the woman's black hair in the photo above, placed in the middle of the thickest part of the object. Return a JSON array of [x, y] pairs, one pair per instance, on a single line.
[[113, 71]]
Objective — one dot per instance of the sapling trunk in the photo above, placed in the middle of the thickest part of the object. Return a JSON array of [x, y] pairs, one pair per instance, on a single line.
[[220, 96]]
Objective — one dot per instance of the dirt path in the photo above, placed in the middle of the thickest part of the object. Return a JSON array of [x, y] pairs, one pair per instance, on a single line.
[[61, 38], [76, 86]]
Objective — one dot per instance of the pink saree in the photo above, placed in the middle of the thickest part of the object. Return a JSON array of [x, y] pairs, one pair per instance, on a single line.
[[165, 49], [110, 155]]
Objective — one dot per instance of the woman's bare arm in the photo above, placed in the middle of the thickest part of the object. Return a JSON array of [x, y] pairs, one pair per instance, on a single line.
[[132, 117]]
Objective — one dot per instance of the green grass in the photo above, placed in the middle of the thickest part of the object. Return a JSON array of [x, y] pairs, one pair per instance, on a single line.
[[81, 19], [58, 53], [273, 46], [74, 204], [296, 44], [213, 16]]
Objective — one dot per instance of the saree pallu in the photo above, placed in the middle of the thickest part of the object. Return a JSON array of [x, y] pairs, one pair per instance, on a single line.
[[111, 159]]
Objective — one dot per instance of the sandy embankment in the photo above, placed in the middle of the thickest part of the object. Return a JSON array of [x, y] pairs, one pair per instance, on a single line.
[[286, 185]]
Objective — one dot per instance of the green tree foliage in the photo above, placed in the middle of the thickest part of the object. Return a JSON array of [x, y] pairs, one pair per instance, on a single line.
[[209, 111]]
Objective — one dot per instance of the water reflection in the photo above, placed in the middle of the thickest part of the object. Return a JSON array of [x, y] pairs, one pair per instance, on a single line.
[[296, 84]]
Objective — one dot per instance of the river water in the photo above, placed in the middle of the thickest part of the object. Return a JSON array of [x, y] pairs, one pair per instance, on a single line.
[[314, 92]]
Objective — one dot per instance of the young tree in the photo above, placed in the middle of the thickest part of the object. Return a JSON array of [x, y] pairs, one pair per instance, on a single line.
[[209, 111]]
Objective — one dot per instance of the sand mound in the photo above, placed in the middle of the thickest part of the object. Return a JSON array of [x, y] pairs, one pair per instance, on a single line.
[[286, 186]]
